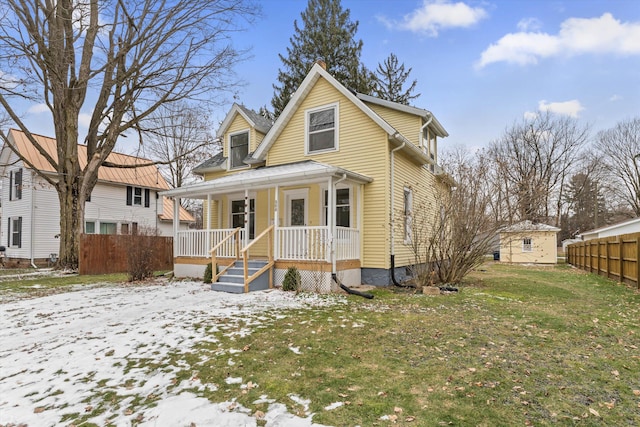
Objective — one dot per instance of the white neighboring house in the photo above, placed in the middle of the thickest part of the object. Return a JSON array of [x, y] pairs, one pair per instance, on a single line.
[[123, 200], [625, 227]]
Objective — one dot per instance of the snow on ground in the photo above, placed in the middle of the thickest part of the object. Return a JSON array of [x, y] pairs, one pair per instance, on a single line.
[[58, 352]]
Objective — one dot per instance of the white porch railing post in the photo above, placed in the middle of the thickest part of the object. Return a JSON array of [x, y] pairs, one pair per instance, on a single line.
[[276, 224], [176, 222], [208, 237], [331, 212]]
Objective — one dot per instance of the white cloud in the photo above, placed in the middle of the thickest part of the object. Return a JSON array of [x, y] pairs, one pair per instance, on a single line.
[[529, 24], [436, 15], [38, 108], [570, 108], [615, 98], [576, 36], [530, 115]]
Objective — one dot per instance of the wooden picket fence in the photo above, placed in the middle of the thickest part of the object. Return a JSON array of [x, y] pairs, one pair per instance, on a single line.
[[108, 253], [615, 257]]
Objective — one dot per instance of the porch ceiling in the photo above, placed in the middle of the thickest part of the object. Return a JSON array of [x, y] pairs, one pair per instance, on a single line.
[[268, 176]]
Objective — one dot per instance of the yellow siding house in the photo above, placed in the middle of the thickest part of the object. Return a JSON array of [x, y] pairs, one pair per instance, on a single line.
[[327, 188], [529, 242]]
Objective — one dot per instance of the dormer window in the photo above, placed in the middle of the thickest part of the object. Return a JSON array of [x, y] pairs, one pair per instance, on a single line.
[[322, 129], [238, 149]]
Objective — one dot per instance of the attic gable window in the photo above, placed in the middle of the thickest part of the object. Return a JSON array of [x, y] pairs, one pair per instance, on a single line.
[[322, 129], [238, 149]]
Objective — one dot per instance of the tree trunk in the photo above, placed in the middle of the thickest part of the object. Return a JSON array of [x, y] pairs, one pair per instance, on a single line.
[[71, 220]]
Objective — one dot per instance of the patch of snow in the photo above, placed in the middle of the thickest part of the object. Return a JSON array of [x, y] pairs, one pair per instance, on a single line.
[[60, 352], [300, 401], [333, 406], [296, 350], [233, 380]]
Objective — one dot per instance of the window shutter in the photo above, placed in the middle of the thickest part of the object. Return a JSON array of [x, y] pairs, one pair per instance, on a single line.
[[146, 197], [129, 195], [19, 232], [9, 232], [11, 185]]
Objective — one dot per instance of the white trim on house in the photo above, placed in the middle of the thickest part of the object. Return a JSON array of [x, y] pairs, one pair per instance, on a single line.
[[625, 227], [336, 126]]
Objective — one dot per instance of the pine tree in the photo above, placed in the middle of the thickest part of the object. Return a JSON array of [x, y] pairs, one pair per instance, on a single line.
[[327, 33], [390, 78]]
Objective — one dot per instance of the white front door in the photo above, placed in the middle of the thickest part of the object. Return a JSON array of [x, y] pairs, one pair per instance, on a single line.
[[297, 208], [296, 245]]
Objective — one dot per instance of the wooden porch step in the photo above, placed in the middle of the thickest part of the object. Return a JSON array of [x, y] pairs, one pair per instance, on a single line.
[[232, 280]]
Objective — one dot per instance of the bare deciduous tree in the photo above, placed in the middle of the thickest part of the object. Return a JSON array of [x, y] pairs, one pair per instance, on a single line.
[[619, 148], [533, 161], [180, 137], [118, 59]]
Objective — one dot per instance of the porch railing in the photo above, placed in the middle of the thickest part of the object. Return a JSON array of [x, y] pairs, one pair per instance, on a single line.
[[291, 243], [195, 243]]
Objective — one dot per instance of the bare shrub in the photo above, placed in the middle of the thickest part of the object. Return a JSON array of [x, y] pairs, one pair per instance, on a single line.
[[453, 232], [142, 253]]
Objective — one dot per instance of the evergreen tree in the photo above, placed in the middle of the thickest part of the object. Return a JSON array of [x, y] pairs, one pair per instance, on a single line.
[[327, 33], [587, 202], [390, 78]]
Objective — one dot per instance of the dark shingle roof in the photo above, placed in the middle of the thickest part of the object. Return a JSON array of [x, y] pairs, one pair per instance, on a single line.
[[263, 125], [213, 162]]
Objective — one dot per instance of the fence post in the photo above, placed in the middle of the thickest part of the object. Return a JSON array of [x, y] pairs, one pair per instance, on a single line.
[[621, 258], [637, 262], [606, 256]]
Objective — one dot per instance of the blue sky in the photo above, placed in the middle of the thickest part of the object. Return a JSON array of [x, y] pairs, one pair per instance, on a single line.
[[481, 65]]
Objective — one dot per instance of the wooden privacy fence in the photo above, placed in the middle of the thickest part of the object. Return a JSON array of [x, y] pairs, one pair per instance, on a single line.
[[109, 253], [615, 257]]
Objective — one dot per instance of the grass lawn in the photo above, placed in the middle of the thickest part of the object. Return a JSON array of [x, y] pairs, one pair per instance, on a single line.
[[517, 346]]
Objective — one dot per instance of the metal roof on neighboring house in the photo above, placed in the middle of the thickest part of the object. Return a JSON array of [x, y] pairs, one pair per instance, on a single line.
[[143, 176], [167, 212]]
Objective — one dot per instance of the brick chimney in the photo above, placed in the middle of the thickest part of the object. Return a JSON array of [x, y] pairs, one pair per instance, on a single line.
[[321, 63]]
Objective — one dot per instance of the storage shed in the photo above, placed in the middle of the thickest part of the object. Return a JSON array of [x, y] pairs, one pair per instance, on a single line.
[[529, 242]]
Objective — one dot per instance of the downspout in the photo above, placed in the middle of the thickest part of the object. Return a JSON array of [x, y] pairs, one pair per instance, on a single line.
[[392, 216], [32, 225], [334, 268]]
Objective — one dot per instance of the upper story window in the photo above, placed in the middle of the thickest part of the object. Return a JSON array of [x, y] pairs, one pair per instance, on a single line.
[[238, 149], [136, 196], [15, 185], [322, 129]]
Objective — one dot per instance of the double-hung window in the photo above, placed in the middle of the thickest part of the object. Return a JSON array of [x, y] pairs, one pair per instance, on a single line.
[[14, 235], [237, 216], [15, 185], [238, 149], [343, 207], [136, 196], [408, 215], [322, 129]]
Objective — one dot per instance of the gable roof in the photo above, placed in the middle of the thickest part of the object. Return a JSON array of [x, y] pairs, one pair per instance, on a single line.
[[213, 164], [528, 226], [254, 119], [301, 93], [144, 176]]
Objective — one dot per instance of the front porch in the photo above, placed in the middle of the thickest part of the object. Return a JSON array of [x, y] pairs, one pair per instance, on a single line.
[[307, 215]]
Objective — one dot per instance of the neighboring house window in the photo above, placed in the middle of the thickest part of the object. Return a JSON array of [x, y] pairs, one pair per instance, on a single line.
[[343, 208], [90, 227], [527, 244], [322, 129], [238, 149], [15, 185], [108, 228], [135, 196], [14, 232], [237, 215], [408, 215], [124, 228]]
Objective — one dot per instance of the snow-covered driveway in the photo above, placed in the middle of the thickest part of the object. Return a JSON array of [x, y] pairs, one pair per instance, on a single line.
[[58, 352]]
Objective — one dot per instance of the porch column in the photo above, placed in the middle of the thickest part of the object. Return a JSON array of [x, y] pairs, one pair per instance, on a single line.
[[276, 223], [331, 212], [208, 238], [360, 220], [176, 224], [246, 217]]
